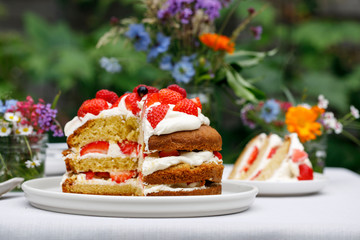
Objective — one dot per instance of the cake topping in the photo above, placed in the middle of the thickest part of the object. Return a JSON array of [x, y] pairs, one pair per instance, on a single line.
[[187, 106], [178, 89], [151, 99], [131, 103], [142, 91], [156, 114], [168, 96], [149, 88], [101, 147], [299, 155], [306, 173], [93, 106], [197, 102], [107, 95], [218, 155]]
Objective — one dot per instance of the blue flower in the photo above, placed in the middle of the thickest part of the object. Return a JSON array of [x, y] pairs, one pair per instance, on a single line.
[[270, 110], [142, 39], [161, 46], [165, 63], [183, 71], [8, 105], [111, 65]]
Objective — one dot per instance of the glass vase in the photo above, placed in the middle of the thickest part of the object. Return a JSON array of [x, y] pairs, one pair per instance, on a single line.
[[22, 156], [316, 149]]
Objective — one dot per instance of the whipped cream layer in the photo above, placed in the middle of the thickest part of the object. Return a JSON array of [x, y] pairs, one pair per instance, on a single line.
[[153, 164], [77, 122], [173, 121], [81, 178], [157, 188]]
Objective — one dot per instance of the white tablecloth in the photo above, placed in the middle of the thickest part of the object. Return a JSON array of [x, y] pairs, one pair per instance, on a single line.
[[332, 214]]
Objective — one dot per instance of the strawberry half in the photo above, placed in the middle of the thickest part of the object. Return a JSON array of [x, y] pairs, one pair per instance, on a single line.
[[151, 99], [128, 147], [169, 153], [167, 96], [186, 106], [93, 106], [217, 154], [178, 89], [306, 173], [131, 103], [95, 147], [156, 114], [299, 155], [107, 95], [272, 152], [197, 102], [89, 175], [120, 177], [116, 103], [251, 159]]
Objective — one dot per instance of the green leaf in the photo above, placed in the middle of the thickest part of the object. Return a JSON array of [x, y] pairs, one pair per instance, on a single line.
[[239, 89], [55, 101], [248, 58]]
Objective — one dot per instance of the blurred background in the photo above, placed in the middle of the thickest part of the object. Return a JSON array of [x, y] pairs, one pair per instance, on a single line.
[[47, 46]]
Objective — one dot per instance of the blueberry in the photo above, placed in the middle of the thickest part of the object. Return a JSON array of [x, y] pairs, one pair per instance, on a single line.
[[142, 91]]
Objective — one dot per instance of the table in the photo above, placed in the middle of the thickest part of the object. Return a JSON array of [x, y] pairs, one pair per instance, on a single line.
[[332, 214]]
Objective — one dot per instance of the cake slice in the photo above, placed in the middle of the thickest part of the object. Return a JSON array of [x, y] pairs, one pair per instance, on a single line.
[[275, 160]]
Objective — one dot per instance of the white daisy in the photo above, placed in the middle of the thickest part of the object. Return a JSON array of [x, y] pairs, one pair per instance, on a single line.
[[4, 131], [32, 164], [322, 102], [11, 117], [354, 111], [25, 130]]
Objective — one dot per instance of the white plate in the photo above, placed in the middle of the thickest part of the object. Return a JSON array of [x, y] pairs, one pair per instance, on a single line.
[[288, 188], [10, 184], [45, 193]]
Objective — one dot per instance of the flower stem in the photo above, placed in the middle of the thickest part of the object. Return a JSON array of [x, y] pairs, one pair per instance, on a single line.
[[28, 146], [7, 172], [351, 137], [228, 16]]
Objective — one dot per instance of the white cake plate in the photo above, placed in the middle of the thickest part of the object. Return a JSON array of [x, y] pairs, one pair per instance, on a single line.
[[45, 193]]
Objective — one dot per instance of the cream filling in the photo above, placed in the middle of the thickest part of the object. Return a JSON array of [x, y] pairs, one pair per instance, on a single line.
[[258, 142], [81, 179], [153, 164], [164, 187], [77, 122], [173, 121], [274, 141]]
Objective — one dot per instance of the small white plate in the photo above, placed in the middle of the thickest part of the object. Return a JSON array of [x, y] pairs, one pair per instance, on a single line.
[[10, 184], [282, 188], [45, 193]]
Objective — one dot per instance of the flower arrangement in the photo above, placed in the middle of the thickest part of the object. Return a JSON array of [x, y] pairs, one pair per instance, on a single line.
[[311, 123], [179, 37], [23, 128]]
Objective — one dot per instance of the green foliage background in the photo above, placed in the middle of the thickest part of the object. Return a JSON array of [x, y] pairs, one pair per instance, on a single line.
[[315, 55]]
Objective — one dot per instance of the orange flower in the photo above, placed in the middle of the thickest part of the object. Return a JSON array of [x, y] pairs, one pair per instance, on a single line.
[[302, 121], [217, 42]]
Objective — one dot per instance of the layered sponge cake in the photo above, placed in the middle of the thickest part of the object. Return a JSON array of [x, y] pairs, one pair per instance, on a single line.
[[270, 158], [148, 142]]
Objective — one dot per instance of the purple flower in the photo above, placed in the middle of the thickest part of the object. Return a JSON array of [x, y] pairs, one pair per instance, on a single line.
[[244, 116], [46, 117], [185, 15], [256, 31], [161, 46], [142, 39], [210, 7]]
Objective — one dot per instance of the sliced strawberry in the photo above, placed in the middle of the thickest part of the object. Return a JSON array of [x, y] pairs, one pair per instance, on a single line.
[[156, 114], [102, 175], [299, 155], [178, 89], [306, 173], [89, 175], [272, 152], [167, 96], [218, 155], [151, 99], [128, 147], [131, 103], [251, 159], [197, 102], [256, 175], [186, 106], [107, 95], [149, 88], [116, 103], [120, 177], [93, 106], [169, 153], [95, 147]]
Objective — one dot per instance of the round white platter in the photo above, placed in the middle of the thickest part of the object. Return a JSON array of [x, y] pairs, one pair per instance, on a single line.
[[45, 193], [288, 188]]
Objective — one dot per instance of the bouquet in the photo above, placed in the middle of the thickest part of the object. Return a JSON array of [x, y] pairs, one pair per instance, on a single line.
[[311, 123], [179, 37]]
